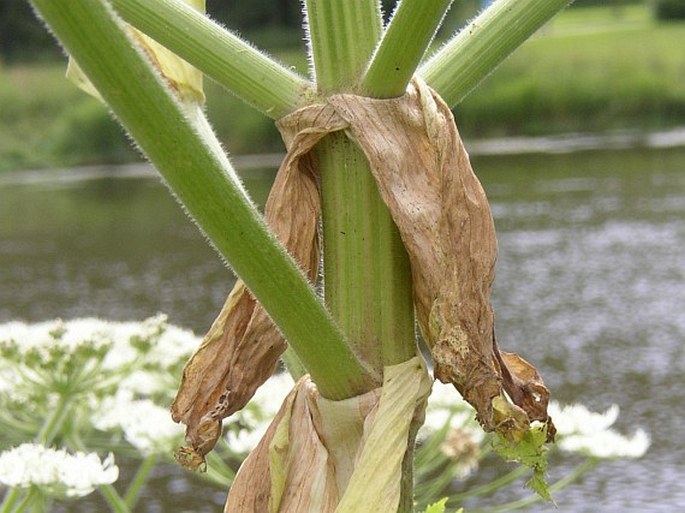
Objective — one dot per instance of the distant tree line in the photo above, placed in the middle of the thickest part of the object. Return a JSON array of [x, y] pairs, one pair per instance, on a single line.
[[270, 23], [22, 36]]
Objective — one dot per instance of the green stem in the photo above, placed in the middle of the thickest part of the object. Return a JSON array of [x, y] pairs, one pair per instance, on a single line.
[[367, 277], [32, 501], [115, 501], [411, 29], [260, 81], [342, 37], [293, 364], [480, 47], [11, 497], [134, 489], [218, 472], [492, 486], [437, 460], [202, 181], [54, 421]]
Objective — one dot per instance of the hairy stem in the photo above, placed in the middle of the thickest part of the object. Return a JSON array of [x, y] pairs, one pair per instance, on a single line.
[[474, 52], [342, 37], [406, 39]]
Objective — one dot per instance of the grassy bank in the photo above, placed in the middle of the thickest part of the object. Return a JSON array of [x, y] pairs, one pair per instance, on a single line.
[[592, 69]]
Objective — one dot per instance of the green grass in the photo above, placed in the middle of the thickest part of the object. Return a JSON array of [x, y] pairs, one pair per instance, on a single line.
[[47, 122], [591, 69]]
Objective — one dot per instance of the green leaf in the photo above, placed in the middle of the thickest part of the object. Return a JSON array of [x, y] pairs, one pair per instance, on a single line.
[[440, 507], [531, 452], [437, 507]]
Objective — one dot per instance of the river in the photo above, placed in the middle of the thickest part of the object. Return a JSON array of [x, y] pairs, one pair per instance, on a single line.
[[590, 286]]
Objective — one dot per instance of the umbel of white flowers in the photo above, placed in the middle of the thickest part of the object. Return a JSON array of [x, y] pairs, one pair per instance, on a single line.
[[55, 471], [578, 429], [128, 374]]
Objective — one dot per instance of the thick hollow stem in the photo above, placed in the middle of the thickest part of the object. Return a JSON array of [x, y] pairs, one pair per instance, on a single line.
[[367, 276]]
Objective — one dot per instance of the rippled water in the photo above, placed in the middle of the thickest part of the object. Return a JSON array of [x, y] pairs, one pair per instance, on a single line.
[[590, 286]]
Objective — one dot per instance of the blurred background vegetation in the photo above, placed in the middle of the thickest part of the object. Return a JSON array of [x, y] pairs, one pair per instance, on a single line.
[[599, 66]]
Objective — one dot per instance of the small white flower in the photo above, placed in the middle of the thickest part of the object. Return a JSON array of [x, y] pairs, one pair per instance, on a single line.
[[608, 444], [175, 345], [145, 383], [55, 471], [28, 336], [93, 332], [586, 432], [577, 419], [146, 426]]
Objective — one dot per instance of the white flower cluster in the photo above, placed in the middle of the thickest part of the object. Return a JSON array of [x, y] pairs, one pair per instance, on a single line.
[[121, 375], [582, 431], [57, 472], [146, 426], [578, 429]]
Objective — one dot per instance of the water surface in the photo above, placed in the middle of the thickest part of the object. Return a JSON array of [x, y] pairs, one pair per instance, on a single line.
[[590, 286]]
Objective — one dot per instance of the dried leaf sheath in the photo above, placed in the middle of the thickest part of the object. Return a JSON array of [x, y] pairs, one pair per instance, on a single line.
[[321, 456], [242, 347]]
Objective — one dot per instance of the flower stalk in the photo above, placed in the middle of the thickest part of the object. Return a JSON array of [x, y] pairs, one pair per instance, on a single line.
[[53, 423], [476, 50], [11, 497], [139, 480], [411, 30]]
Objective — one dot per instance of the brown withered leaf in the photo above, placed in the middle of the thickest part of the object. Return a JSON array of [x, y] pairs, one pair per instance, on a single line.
[[323, 456], [525, 387], [242, 347], [289, 470]]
